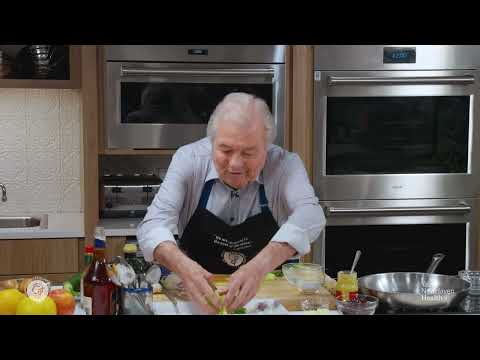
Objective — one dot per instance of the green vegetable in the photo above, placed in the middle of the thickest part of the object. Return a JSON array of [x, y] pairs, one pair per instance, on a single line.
[[270, 276], [240, 310], [72, 285], [277, 273], [67, 285], [75, 281]]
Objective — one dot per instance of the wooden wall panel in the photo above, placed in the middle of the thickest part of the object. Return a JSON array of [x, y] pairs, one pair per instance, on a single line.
[[90, 95], [302, 109]]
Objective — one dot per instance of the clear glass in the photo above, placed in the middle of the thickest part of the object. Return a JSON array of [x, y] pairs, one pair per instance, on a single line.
[[137, 301], [397, 135], [473, 277], [363, 305], [314, 302], [471, 304]]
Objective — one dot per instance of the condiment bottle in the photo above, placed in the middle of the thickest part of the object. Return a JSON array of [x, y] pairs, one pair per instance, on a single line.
[[131, 255], [100, 294], [87, 260], [347, 286]]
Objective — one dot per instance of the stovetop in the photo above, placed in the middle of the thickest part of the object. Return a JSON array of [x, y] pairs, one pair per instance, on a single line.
[[469, 305]]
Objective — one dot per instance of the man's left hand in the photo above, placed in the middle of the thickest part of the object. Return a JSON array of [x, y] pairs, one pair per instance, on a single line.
[[243, 287]]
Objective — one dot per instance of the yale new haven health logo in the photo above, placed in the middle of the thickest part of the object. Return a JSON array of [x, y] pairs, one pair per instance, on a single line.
[[38, 289]]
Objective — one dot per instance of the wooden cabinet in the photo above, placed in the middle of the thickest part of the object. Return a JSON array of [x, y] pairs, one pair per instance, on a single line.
[[114, 246], [16, 257], [38, 256]]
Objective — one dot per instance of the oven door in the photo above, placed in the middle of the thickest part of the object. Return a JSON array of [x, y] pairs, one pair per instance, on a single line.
[[396, 134], [167, 105], [399, 235]]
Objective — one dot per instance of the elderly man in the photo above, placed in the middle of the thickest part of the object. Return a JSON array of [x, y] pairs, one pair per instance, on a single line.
[[239, 205]]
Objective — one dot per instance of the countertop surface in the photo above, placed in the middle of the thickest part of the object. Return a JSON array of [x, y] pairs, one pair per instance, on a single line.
[[120, 227], [59, 225]]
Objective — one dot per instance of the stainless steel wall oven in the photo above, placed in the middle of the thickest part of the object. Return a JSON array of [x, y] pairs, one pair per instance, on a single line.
[[161, 96], [396, 154]]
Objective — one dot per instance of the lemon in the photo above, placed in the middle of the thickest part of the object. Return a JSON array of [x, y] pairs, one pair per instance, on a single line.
[[9, 299], [28, 306]]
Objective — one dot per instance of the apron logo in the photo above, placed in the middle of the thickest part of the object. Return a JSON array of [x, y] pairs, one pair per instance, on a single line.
[[233, 258]]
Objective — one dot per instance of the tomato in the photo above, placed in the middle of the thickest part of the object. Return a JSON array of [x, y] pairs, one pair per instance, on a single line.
[[64, 300]]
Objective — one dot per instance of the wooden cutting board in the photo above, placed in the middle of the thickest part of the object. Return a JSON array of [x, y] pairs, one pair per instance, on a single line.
[[281, 290], [278, 289]]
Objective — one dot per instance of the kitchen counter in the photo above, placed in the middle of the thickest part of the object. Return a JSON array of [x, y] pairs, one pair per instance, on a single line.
[[60, 225], [120, 227]]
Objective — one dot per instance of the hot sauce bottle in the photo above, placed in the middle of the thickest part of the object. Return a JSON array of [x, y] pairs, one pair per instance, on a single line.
[[100, 294]]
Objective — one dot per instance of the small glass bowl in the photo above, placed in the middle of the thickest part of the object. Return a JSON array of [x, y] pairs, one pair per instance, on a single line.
[[364, 305], [473, 277], [308, 278]]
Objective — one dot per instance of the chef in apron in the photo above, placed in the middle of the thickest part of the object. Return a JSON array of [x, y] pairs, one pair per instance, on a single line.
[[231, 203]]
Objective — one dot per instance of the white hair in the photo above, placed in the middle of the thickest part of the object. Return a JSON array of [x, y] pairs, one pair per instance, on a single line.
[[238, 108]]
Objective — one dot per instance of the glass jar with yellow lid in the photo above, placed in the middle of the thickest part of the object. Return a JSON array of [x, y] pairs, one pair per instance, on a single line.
[[130, 253], [347, 286]]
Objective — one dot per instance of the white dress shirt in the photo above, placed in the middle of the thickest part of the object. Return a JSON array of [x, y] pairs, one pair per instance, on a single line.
[[290, 196]]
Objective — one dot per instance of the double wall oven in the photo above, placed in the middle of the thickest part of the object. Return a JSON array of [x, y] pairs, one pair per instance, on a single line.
[[162, 96], [396, 156]]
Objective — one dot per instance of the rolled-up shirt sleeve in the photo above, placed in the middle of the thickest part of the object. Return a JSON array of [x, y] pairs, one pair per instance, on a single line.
[[306, 219], [161, 221]]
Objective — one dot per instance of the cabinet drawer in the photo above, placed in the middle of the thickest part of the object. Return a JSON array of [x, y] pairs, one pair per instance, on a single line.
[[16, 257], [37, 256], [55, 256]]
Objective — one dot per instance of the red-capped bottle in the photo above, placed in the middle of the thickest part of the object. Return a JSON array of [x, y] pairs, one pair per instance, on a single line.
[[100, 294]]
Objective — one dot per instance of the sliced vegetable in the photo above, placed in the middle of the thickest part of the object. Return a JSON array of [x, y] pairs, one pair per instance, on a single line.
[[270, 276]]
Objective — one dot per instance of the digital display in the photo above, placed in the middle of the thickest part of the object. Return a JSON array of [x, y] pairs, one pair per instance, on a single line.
[[197, 51], [396, 55]]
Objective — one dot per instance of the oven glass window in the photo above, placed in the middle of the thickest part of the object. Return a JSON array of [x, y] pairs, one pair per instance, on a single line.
[[179, 103], [392, 248], [397, 135]]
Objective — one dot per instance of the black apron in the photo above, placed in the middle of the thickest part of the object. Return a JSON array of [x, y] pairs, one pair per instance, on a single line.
[[221, 248]]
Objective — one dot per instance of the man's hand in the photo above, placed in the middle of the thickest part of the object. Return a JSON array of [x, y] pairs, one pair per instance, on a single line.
[[245, 282], [195, 279], [243, 286]]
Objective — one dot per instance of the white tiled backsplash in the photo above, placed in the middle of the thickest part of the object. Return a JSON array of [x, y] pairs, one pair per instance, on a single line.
[[41, 161]]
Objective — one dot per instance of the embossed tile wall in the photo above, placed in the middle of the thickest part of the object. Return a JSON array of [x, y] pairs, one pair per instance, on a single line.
[[41, 160]]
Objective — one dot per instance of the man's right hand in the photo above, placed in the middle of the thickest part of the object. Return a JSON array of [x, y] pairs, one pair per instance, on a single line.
[[196, 282], [195, 279]]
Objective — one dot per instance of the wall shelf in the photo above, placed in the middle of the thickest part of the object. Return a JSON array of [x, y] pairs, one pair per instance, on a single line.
[[73, 83]]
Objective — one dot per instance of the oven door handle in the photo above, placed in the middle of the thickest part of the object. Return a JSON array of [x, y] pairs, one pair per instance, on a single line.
[[420, 80], [427, 210], [127, 71]]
